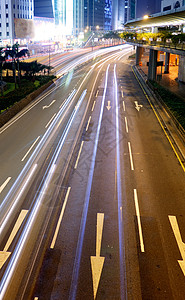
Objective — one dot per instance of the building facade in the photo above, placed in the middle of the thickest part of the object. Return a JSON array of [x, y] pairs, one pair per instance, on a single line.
[[13, 19]]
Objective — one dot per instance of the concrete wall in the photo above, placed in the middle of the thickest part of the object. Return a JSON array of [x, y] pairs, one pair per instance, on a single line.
[[181, 74]]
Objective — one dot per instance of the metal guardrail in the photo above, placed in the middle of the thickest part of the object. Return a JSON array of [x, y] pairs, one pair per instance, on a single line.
[[179, 46]]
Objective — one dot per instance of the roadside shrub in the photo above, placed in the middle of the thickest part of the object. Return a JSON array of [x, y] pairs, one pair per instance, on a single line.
[[174, 103]]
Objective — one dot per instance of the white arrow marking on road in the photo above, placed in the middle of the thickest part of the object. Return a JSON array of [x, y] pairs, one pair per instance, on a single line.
[[97, 262], [4, 184], [5, 254], [181, 245], [138, 106], [47, 106], [108, 107]]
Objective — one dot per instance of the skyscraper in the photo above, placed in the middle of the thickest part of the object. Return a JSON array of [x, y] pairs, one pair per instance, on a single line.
[[12, 16], [147, 7]]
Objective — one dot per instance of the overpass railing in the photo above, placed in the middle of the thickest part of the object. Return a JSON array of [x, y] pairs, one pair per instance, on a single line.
[[179, 46]]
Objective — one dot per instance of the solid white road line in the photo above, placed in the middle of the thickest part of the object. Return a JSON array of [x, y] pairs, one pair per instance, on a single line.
[[87, 127], [50, 120], [139, 221], [76, 164], [123, 105], [126, 124], [4, 184], [131, 159], [30, 148], [93, 105], [60, 219]]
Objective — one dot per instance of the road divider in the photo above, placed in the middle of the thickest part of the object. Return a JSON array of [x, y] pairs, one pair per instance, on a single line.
[[60, 219], [131, 158], [4, 184], [30, 148], [78, 157], [139, 221]]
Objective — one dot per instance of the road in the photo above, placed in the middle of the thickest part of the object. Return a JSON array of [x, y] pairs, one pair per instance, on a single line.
[[103, 213]]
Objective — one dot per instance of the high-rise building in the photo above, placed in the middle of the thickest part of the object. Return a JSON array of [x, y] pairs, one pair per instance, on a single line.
[[147, 7], [13, 19], [94, 13], [108, 15], [44, 8], [118, 14]]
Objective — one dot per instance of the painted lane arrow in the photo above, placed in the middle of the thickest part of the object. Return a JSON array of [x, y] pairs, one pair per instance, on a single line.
[[137, 106], [47, 106], [5, 254], [181, 245], [108, 107], [97, 261]]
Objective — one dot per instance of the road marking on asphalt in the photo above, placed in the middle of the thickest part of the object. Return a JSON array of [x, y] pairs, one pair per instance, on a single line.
[[47, 106], [138, 106], [126, 124], [30, 148], [60, 219], [121, 212], [180, 243], [131, 159], [173, 148], [97, 93], [50, 120], [62, 103], [108, 106], [97, 261], [5, 254], [87, 127], [77, 160], [123, 106], [139, 221], [93, 106], [122, 94], [4, 184]]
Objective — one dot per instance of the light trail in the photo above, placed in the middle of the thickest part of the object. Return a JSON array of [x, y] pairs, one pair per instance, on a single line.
[[123, 289], [76, 267]]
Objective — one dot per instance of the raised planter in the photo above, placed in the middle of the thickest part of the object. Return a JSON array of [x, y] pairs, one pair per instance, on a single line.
[[18, 106]]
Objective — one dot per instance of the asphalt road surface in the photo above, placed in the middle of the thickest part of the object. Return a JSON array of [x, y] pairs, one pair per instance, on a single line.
[[97, 211]]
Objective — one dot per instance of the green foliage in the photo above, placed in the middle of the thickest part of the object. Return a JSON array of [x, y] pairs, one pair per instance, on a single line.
[[26, 87], [175, 104]]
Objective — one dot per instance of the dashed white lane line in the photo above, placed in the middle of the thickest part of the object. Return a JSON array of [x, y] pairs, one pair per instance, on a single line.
[[97, 93], [126, 124], [139, 221], [77, 160], [123, 105], [50, 120], [30, 148], [131, 159], [4, 184], [93, 105], [122, 94], [87, 127], [60, 219]]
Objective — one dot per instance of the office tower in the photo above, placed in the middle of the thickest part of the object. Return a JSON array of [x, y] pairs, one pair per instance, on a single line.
[[147, 7], [14, 19]]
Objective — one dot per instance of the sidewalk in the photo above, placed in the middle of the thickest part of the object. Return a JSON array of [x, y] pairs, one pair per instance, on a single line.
[[169, 81]]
